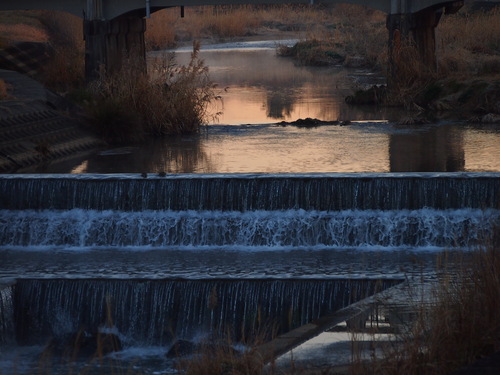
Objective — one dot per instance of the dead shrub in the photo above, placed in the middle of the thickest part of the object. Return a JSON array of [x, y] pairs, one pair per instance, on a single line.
[[462, 325], [171, 99], [3, 89], [469, 43], [67, 68]]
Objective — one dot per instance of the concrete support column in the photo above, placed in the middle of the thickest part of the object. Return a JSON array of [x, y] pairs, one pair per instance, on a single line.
[[109, 42], [423, 30], [416, 29]]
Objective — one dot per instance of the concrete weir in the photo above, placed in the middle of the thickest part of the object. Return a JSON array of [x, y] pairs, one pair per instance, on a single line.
[[385, 313], [354, 315]]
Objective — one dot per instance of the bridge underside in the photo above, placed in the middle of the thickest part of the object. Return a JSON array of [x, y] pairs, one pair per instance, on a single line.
[[417, 29], [114, 30], [110, 42]]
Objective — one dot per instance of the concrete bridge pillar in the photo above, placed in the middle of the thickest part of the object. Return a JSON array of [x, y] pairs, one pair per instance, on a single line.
[[108, 43], [417, 29]]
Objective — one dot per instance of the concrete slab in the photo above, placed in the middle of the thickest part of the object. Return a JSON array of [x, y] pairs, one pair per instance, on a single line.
[[39, 126], [329, 339]]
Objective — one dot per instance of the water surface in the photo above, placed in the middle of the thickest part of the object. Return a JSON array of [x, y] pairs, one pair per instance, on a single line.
[[260, 89]]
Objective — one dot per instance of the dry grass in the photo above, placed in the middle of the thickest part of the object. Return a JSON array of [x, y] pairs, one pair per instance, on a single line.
[[353, 35], [462, 326], [221, 358], [470, 44], [166, 28], [171, 99], [160, 29], [67, 68], [21, 26], [3, 89], [361, 32]]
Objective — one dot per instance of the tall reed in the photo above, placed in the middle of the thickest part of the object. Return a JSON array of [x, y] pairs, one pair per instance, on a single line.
[[469, 44], [462, 325], [171, 99], [66, 69], [3, 89]]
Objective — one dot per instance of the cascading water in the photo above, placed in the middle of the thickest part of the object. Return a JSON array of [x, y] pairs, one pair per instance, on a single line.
[[182, 255], [323, 192], [77, 228], [6, 315], [153, 312]]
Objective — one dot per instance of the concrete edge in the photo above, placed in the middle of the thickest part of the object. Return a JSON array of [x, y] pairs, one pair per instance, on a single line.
[[290, 340]]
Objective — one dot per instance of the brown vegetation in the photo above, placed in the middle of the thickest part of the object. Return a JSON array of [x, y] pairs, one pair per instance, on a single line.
[[166, 28], [460, 328], [171, 99], [470, 44], [66, 70], [221, 358], [21, 26], [3, 89]]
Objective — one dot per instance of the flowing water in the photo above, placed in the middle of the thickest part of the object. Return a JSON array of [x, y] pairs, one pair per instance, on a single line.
[[260, 89], [256, 226]]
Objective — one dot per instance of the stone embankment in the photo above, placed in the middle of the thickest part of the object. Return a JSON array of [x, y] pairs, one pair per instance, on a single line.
[[38, 126]]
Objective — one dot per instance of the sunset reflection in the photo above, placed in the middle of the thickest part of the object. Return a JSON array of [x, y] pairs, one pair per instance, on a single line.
[[482, 149], [259, 90]]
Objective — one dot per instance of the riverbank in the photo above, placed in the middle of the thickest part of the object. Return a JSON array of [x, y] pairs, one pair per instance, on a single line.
[[38, 127], [352, 36]]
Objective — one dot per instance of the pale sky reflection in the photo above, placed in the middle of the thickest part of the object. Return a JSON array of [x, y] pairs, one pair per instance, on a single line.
[[482, 150], [295, 150], [260, 89]]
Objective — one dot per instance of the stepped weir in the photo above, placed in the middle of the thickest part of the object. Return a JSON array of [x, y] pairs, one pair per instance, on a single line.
[[54, 230]]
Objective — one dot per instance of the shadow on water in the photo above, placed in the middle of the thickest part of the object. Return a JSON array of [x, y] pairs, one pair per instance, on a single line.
[[436, 149], [260, 89], [169, 155]]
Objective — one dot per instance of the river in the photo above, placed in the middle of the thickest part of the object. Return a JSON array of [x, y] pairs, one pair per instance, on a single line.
[[260, 89], [250, 218]]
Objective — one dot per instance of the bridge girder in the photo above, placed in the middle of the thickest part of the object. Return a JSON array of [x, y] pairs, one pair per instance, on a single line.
[[110, 9]]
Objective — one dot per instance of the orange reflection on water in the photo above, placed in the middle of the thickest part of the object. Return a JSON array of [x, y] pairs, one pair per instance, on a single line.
[[482, 150], [299, 150], [255, 105]]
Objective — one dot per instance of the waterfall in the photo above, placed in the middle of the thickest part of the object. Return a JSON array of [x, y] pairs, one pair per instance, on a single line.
[[157, 311], [6, 315], [322, 192], [47, 216], [77, 228]]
